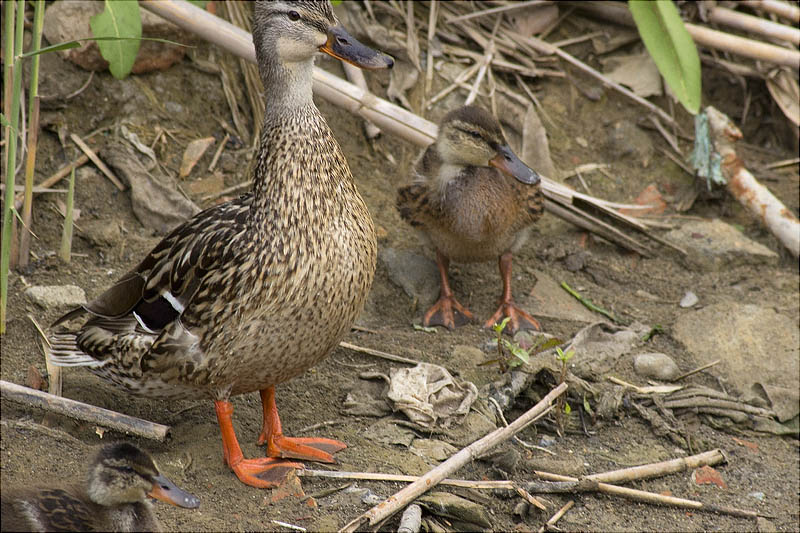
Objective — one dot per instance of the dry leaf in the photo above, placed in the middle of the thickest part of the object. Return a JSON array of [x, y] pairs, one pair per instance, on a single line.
[[193, 153], [638, 72], [785, 91]]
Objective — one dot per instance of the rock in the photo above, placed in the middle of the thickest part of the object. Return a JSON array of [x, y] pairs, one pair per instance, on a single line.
[[758, 346], [68, 21], [576, 261], [56, 296], [101, 233], [452, 506], [548, 299], [416, 274], [715, 245], [432, 449], [689, 299], [656, 365]]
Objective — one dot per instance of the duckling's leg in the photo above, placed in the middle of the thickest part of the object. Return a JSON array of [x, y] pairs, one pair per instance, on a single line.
[[264, 472], [278, 445], [519, 318], [446, 311]]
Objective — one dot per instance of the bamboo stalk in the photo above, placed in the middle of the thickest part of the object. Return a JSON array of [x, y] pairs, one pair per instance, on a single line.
[[82, 411], [13, 72], [742, 21], [33, 138], [402, 498], [556, 517], [746, 189], [777, 7]]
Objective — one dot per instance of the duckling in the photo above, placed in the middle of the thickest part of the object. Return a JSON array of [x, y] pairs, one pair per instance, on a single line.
[[472, 199], [250, 293], [114, 497]]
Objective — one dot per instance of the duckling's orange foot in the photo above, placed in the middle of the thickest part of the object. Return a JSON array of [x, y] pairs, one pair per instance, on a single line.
[[264, 472], [447, 312], [303, 448], [519, 318]]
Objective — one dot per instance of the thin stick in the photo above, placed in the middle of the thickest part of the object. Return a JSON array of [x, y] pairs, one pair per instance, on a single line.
[[370, 476], [709, 458], [433, 18], [742, 21], [696, 370], [218, 153], [81, 411], [55, 178], [357, 78], [782, 9], [378, 353], [97, 161], [54, 380], [66, 234], [783, 163], [644, 496], [402, 498], [509, 7], [556, 517]]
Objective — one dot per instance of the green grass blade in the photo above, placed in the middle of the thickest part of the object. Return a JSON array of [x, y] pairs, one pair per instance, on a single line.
[[671, 47], [119, 19]]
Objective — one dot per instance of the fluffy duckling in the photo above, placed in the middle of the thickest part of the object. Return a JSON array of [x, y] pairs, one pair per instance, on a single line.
[[114, 497], [253, 292], [472, 199]]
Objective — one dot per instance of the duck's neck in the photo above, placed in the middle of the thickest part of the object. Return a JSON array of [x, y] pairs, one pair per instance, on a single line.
[[287, 87]]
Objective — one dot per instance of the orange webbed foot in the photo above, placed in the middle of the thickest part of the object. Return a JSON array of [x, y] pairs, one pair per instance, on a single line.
[[520, 319], [302, 448], [264, 472], [447, 312]]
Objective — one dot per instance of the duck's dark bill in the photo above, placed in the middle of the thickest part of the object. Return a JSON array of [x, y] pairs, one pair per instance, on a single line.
[[507, 161], [344, 46], [166, 491]]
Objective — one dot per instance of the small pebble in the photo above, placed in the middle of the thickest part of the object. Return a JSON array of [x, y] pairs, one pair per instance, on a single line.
[[689, 300], [656, 365], [758, 495]]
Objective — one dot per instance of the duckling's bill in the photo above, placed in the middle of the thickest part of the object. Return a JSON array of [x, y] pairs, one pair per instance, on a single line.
[[167, 491], [507, 161], [342, 45]]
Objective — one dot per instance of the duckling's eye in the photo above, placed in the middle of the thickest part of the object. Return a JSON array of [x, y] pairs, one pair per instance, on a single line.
[[293, 15], [474, 134]]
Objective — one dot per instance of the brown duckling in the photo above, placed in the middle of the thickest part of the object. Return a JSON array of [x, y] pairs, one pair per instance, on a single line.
[[114, 497], [472, 199], [250, 293]]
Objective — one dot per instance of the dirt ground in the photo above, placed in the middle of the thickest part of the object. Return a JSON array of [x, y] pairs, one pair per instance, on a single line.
[[38, 447]]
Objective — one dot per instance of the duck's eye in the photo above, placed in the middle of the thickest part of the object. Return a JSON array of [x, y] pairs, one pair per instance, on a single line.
[[293, 15], [474, 134], [126, 469]]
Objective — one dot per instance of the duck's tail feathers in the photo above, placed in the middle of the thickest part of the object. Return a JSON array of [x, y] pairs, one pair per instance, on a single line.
[[62, 350]]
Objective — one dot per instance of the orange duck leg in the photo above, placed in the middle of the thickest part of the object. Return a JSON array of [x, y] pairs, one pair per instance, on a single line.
[[446, 311], [280, 446], [519, 318], [264, 472]]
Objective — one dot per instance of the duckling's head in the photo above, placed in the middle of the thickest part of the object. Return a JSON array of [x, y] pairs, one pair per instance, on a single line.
[[121, 473], [470, 136], [286, 32]]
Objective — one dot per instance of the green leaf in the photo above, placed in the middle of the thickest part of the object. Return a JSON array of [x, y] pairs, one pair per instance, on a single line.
[[498, 328], [77, 43], [671, 47], [567, 408], [424, 328], [119, 19]]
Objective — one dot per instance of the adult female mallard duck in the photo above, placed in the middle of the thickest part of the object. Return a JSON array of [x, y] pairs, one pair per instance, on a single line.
[[253, 292], [113, 498], [472, 200]]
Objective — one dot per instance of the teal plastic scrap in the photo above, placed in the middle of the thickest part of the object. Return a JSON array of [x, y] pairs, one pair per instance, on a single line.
[[704, 158]]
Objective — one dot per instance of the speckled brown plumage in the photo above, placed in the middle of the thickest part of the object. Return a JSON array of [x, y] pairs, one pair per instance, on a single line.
[[253, 292], [467, 205], [113, 498]]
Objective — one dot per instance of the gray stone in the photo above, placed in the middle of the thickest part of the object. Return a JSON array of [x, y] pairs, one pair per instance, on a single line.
[[656, 366], [548, 299], [416, 274], [757, 346], [56, 296], [101, 233], [432, 449], [625, 139], [452, 506], [689, 299], [714, 245]]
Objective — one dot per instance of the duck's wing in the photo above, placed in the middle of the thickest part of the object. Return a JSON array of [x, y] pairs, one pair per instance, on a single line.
[[418, 202], [47, 510], [137, 310]]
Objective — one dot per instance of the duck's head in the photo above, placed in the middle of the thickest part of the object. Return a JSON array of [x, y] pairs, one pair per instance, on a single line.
[[122, 473], [293, 31], [470, 136]]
